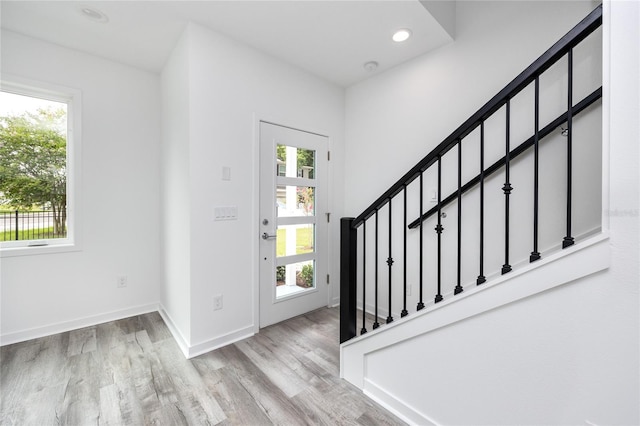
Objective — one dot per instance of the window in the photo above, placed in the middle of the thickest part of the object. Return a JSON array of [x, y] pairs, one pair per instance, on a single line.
[[39, 152]]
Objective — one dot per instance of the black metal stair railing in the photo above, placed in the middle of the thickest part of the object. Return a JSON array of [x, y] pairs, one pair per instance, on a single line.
[[351, 227]]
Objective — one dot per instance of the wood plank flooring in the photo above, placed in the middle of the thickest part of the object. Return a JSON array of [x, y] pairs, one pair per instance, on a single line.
[[131, 372]]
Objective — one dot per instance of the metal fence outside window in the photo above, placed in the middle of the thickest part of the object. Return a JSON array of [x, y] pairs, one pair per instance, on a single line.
[[29, 225]]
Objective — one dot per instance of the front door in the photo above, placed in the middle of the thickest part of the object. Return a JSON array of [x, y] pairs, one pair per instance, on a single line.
[[293, 222]]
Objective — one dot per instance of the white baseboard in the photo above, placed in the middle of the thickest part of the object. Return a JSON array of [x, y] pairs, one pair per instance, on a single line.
[[183, 343], [190, 351], [220, 341], [61, 327], [395, 405]]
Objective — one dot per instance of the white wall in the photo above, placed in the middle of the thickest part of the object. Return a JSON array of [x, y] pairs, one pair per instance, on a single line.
[[566, 356], [176, 193], [230, 87], [406, 112], [47, 293]]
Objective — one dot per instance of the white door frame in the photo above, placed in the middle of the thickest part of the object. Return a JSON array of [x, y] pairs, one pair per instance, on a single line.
[[255, 204]]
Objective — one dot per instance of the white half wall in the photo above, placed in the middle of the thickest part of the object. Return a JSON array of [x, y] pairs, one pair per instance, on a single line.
[[49, 293]]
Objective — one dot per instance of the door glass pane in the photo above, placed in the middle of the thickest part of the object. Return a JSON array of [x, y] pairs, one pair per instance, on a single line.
[[295, 162], [295, 200], [295, 239], [294, 278]]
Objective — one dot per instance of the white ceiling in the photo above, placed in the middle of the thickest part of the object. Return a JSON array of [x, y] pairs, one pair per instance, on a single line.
[[331, 39]]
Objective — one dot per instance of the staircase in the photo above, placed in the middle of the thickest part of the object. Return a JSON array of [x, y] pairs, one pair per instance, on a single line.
[[501, 210]]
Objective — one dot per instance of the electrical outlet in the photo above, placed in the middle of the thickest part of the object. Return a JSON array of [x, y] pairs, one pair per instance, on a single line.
[[122, 281], [217, 302]]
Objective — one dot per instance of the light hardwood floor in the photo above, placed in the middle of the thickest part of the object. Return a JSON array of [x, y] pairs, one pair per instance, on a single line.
[[131, 372]]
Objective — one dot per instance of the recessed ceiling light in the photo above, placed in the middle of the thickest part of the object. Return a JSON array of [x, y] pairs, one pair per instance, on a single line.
[[401, 35], [371, 66], [94, 15]]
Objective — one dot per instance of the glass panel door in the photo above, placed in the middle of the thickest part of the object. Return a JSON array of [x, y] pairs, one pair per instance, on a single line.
[[293, 247]]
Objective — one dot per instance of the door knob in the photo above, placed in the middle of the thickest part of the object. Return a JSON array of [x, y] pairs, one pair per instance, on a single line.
[[266, 236]]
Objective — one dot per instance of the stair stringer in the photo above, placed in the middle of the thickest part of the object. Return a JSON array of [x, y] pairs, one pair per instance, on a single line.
[[578, 261]]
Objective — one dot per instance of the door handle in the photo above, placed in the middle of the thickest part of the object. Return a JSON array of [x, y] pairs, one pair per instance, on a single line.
[[266, 236]]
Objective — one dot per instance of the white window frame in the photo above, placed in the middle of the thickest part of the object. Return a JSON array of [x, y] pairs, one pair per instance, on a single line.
[[73, 99]]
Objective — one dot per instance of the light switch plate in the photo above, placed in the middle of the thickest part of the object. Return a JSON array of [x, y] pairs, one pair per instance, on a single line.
[[226, 213]]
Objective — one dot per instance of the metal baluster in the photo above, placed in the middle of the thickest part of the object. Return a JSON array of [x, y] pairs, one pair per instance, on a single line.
[[420, 302], [459, 288], [404, 312], [376, 324], [439, 230], [364, 277], [481, 278], [507, 191], [535, 254], [568, 239], [390, 263]]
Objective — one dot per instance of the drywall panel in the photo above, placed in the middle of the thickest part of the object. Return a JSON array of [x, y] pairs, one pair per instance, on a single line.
[[231, 87], [120, 198]]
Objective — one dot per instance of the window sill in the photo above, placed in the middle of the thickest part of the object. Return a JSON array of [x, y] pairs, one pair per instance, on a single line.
[[38, 250]]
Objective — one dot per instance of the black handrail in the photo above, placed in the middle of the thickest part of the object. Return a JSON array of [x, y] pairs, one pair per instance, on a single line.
[[542, 133], [544, 62]]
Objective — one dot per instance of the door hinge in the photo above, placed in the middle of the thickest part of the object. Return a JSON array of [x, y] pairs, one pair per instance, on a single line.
[[328, 217], [328, 155], [327, 279]]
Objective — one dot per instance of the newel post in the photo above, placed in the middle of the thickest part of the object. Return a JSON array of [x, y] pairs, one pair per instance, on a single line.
[[348, 246]]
